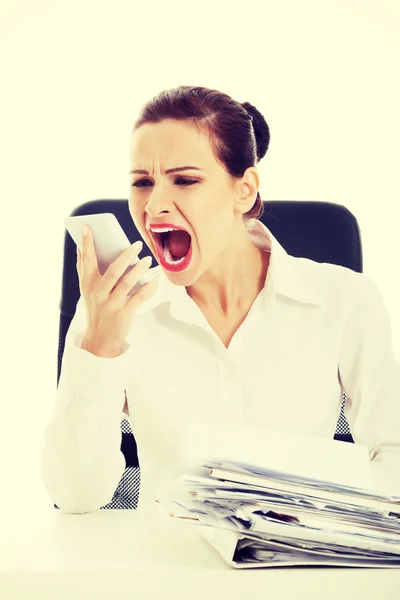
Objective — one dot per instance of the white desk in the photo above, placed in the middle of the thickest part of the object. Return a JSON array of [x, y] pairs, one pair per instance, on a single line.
[[123, 554]]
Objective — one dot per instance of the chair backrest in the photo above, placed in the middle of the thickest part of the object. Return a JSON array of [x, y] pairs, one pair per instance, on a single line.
[[321, 231]]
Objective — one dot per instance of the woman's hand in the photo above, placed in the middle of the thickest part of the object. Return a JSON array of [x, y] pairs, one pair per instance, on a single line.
[[109, 309]]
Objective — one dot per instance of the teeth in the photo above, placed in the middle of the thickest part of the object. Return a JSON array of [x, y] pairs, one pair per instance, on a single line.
[[163, 230]]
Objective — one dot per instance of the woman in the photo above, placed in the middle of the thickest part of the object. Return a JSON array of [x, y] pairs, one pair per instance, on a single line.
[[229, 327]]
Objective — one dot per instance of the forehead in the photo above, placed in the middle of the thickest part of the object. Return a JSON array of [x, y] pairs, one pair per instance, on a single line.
[[170, 140]]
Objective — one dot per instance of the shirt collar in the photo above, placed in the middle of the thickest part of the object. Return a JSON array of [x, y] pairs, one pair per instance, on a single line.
[[284, 276], [287, 277]]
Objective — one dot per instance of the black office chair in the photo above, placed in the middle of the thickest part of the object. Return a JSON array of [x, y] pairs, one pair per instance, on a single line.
[[321, 231]]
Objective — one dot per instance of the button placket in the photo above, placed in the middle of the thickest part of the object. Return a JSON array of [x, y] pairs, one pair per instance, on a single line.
[[229, 389]]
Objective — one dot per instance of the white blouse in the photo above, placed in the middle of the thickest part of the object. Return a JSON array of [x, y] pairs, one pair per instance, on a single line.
[[313, 332]]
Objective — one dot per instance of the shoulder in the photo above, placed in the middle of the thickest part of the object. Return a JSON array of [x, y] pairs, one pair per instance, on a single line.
[[335, 283]]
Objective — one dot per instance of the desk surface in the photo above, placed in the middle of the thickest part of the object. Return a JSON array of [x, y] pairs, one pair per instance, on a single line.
[[111, 552]]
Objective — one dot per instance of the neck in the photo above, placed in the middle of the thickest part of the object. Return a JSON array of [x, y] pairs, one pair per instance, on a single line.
[[233, 283]]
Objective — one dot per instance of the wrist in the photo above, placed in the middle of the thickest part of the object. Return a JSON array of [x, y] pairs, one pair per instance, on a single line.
[[101, 348]]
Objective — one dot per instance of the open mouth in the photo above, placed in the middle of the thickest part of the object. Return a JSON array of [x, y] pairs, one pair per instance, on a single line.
[[173, 246]]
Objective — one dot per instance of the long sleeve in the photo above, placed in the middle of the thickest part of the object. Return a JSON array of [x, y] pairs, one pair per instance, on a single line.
[[81, 460], [370, 376]]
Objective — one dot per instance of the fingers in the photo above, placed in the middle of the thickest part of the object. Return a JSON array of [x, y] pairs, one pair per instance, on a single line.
[[142, 295], [88, 262], [121, 289], [78, 261], [117, 269]]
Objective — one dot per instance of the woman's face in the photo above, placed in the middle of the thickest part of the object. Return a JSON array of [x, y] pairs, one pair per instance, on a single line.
[[203, 201]]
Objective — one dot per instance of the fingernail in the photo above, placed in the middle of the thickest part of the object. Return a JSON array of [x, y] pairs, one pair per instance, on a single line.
[[138, 245], [85, 230]]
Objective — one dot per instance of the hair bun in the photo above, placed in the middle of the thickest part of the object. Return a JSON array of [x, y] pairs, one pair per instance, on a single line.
[[261, 129]]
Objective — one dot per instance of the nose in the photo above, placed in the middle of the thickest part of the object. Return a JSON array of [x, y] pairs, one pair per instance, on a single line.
[[157, 204]]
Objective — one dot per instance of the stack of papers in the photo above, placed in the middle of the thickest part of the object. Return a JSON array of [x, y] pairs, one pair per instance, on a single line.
[[256, 515]]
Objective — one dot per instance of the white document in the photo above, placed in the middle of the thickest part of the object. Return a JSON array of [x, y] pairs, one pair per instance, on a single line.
[[332, 534], [312, 457], [272, 498], [228, 545], [275, 485]]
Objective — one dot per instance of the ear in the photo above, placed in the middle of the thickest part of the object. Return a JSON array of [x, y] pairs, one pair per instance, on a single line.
[[248, 188]]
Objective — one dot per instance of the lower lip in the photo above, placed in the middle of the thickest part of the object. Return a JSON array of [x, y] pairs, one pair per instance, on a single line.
[[175, 268]]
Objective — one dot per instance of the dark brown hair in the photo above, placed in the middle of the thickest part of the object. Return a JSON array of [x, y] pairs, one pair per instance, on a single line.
[[238, 133]]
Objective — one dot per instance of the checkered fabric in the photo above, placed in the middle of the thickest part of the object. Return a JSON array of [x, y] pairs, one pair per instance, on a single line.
[[127, 493], [342, 426]]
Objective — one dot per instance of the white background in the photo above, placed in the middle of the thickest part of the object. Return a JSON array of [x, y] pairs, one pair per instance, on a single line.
[[74, 75]]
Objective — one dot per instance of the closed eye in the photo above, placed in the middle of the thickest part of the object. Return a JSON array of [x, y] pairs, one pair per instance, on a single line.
[[183, 181]]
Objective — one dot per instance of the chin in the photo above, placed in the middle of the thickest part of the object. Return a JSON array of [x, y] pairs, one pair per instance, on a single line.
[[180, 279]]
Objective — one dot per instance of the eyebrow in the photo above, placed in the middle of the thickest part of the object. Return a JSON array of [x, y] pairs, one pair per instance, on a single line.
[[174, 170]]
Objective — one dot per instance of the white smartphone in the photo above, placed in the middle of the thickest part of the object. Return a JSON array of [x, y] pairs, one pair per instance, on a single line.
[[109, 240]]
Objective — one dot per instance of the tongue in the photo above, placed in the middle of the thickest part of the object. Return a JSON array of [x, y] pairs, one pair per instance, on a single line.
[[179, 243]]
